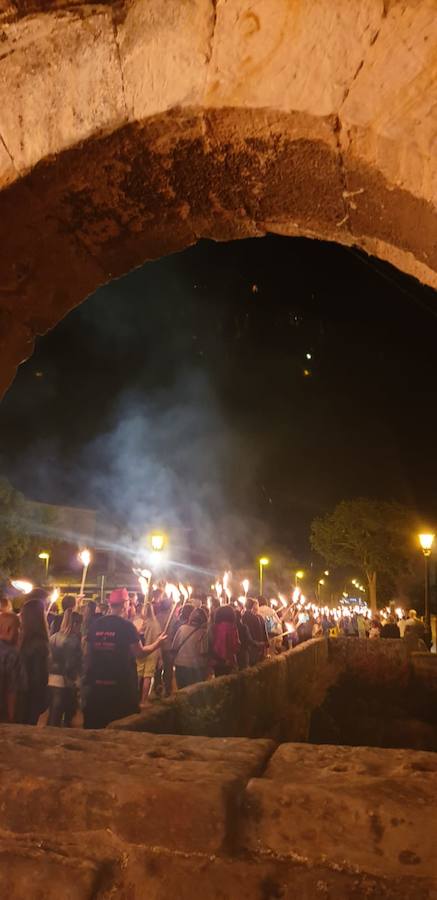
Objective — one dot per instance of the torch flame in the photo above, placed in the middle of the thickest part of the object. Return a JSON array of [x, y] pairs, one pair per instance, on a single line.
[[144, 576], [144, 584], [245, 585], [183, 591], [172, 591], [24, 586]]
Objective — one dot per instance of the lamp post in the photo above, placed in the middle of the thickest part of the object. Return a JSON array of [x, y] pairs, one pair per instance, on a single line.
[[426, 541], [264, 561], [45, 555], [298, 577]]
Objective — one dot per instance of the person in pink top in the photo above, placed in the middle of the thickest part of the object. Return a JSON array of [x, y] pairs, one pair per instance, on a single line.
[[224, 641]]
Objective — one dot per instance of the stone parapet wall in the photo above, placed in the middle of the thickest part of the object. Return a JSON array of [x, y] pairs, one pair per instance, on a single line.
[[383, 696], [115, 815], [341, 690], [274, 699], [375, 661]]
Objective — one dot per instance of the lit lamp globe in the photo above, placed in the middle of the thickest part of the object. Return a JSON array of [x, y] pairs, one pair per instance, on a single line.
[[426, 541], [157, 542], [298, 577], [263, 561], [45, 555]]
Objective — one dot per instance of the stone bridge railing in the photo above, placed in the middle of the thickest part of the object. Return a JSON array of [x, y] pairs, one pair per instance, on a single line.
[[273, 699], [277, 698]]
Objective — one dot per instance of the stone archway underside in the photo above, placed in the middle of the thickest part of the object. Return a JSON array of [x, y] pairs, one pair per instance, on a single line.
[[129, 130]]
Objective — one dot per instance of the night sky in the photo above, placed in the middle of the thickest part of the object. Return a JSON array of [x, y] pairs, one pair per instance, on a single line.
[[235, 389]]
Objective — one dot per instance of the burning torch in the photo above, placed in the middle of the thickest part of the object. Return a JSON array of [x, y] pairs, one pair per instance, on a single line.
[[85, 558]]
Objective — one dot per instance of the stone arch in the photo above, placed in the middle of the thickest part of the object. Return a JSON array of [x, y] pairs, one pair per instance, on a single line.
[[131, 128]]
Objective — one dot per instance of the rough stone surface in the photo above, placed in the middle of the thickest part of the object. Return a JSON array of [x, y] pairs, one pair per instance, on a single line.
[[368, 808], [99, 815], [172, 791], [130, 128]]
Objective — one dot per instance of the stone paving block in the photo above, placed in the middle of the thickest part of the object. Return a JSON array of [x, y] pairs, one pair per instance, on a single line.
[[101, 867], [158, 790], [369, 808]]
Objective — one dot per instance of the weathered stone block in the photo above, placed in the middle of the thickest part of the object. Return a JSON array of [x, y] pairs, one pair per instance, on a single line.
[[170, 791], [366, 808]]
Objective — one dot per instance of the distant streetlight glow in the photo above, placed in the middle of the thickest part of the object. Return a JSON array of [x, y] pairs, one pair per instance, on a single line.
[[45, 555], [298, 576], [263, 561], [157, 541], [426, 541]]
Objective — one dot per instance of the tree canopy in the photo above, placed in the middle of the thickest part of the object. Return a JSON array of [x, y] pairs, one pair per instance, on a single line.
[[373, 536], [21, 526]]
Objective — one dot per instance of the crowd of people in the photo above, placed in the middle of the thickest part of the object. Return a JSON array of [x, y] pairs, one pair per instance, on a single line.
[[100, 661]]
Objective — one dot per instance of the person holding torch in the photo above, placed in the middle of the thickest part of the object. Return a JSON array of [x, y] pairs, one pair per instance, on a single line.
[[110, 688]]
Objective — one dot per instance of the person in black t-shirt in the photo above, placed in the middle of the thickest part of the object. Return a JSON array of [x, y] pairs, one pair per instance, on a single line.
[[110, 689], [391, 629]]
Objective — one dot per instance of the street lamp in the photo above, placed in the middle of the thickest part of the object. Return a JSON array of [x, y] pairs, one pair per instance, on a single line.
[[157, 542], [45, 555], [299, 576], [264, 561], [426, 541]]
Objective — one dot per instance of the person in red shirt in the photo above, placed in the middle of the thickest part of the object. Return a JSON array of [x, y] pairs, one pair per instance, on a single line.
[[225, 642]]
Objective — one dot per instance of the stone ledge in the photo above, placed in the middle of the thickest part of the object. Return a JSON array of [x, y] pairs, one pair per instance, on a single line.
[[273, 699], [97, 866], [102, 815], [368, 808], [171, 791]]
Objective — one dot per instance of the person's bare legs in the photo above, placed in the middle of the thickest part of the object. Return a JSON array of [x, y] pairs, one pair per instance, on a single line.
[[146, 690]]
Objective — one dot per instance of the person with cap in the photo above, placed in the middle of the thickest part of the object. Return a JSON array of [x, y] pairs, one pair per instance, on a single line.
[[109, 687]]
